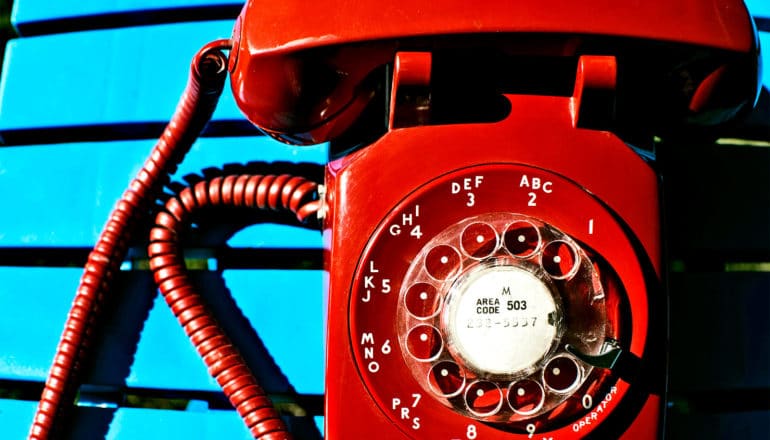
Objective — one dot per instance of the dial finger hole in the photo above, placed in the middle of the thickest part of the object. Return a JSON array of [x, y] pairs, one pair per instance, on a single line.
[[422, 301], [522, 239], [479, 240], [560, 259], [424, 342], [442, 262], [483, 398], [561, 374], [446, 379], [526, 397]]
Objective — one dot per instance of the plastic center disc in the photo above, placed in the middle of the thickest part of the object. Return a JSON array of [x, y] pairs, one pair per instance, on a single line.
[[500, 320]]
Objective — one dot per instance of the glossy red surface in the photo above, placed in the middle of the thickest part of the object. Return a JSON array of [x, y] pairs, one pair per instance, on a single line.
[[304, 71], [291, 25], [222, 358], [603, 195], [413, 70]]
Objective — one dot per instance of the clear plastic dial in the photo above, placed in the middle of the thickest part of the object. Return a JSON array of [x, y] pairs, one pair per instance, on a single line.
[[486, 309]]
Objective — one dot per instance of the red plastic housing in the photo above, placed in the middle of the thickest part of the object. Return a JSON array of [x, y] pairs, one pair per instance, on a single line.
[[294, 25], [304, 72], [591, 186], [301, 71]]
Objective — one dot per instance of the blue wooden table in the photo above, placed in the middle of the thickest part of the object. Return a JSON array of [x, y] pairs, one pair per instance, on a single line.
[[86, 88]]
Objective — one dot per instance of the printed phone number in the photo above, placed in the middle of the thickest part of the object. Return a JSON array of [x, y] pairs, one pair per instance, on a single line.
[[512, 322]]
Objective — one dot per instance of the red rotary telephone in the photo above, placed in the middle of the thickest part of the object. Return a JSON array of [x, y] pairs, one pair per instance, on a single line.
[[491, 210]]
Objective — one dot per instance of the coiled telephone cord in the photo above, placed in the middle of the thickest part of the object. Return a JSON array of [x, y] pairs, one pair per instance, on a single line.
[[199, 99], [222, 359]]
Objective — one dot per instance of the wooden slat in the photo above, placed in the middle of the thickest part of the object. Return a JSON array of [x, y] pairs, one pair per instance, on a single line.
[[34, 17], [62, 194], [33, 317], [758, 8], [37, 301], [285, 309], [137, 423], [764, 40], [16, 417], [41, 10], [116, 76], [218, 257]]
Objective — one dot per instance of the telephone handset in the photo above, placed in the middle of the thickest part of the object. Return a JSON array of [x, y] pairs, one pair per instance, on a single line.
[[494, 244]]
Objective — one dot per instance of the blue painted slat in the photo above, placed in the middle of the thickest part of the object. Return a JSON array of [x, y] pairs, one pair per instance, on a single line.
[[284, 307], [137, 423], [147, 424], [764, 42], [128, 75], [30, 11], [34, 304], [62, 194], [16, 417], [758, 8]]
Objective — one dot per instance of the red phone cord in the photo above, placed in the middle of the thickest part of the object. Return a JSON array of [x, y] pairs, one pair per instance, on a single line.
[[207, 75], [222, 359]]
